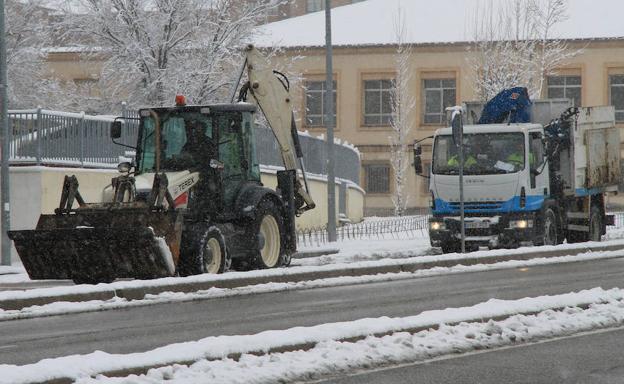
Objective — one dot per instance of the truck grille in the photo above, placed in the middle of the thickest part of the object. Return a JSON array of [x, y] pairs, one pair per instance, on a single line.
[[480, 205]]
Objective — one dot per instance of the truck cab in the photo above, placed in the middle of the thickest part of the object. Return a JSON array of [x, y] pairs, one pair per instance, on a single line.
[[505, 184]]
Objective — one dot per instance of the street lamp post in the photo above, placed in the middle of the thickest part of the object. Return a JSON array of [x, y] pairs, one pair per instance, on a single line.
[[329, 123], [5, 248]]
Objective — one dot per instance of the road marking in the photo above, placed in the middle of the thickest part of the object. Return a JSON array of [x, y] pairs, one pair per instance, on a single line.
[[9, 346]]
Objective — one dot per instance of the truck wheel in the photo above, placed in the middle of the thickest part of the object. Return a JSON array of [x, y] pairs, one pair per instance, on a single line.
[[268, 228], [595, 224], [550, 228], [213, 256]]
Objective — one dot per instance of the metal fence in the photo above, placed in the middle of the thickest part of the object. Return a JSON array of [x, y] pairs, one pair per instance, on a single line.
[[406, 227], [59, 138]]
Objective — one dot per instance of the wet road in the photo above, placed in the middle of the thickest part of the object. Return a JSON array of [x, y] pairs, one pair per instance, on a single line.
[[143, 328]]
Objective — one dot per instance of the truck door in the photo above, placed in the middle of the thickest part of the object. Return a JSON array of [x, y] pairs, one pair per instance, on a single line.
[[538, 175]]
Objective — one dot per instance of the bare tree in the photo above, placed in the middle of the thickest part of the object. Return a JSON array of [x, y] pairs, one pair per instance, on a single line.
[[514, 45], [153, 49], [402, 103]]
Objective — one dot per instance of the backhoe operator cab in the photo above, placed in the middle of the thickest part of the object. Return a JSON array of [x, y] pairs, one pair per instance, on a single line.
[[217, 142]]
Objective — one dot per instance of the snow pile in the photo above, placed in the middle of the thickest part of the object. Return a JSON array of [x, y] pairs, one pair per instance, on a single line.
[[608, 310], [335, 357]]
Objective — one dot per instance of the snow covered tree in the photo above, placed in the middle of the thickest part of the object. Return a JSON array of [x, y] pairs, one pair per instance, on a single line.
[[403, 104], [514, 45], [27, 32], [153, 49]]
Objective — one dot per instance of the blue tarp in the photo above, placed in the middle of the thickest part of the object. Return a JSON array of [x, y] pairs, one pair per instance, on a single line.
[[513, 103]]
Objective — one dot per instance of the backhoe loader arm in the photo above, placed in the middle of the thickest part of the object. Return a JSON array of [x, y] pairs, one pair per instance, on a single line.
[[270, 91]]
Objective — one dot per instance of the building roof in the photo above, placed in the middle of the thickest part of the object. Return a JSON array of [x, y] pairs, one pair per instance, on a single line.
[[372, 22]]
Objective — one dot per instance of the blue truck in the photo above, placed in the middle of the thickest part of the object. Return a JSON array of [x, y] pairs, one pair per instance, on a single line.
[[526, 181]]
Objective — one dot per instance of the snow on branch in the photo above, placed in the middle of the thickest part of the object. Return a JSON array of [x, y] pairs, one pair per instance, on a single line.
[[402, 103], [154, 49], [514, 45]]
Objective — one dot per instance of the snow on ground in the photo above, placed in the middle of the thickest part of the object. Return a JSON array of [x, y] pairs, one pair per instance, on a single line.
[[606, 309], [335, 357], [61, 307], [353, 251]]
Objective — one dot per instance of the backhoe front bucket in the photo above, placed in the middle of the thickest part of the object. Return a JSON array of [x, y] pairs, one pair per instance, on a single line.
[[100, 246]]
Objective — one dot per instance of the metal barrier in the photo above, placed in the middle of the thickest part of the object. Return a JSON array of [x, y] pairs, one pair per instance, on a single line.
[[59, 138], [406, 227]]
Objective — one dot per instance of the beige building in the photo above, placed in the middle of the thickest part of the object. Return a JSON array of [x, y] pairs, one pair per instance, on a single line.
[[441, 76]]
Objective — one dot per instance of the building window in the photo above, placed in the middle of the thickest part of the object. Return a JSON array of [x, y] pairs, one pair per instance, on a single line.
[[315, 5], [377, 178], [377, 102], [438, 95], [315, 103], [565, 87], [616, 96]]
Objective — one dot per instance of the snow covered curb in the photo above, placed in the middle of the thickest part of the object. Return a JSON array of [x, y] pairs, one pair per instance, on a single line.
[[138, 289], [69, 368]]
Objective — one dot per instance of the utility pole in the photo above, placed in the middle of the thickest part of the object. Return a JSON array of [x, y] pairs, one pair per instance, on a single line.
[[329, 123], [5, 248]]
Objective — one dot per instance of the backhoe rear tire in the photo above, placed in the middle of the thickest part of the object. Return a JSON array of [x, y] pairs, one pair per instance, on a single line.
[[268, 226]]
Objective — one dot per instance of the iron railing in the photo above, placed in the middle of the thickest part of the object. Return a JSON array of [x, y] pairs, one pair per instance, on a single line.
[[59, 138], [405, 227]]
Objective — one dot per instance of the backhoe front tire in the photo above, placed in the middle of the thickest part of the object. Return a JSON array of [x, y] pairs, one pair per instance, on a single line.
[[204, 251], [268, 227], [214, 257]]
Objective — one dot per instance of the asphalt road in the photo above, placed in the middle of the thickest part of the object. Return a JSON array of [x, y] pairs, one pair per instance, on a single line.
[[594, 358], [143, 328]]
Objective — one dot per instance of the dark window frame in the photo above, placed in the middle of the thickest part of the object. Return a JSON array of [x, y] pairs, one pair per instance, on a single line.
[[617, 81], [383, 93], [566, 87], [439, 116], [317, 120], [377, 182]]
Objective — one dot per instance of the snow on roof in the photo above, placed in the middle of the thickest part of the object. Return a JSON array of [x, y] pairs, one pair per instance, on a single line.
[[372, 22]]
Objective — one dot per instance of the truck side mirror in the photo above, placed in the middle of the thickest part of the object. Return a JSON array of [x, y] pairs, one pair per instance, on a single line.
[[417, 160], [115, 131]]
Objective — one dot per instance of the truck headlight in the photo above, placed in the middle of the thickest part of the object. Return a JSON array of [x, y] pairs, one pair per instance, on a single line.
[[437, 226], [520, 224]]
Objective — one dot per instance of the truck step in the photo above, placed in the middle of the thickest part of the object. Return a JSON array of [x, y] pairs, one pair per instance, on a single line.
[[578, 215], [578, 228]]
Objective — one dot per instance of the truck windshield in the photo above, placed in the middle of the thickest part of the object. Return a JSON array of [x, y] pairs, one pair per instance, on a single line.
[[484, 153], [185, 139]]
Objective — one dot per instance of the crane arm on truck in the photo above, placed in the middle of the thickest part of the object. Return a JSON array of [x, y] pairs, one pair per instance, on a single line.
[[270, 90]]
